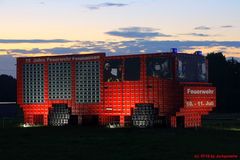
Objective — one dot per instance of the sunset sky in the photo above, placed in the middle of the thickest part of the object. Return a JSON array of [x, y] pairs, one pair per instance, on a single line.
[[50, 27]]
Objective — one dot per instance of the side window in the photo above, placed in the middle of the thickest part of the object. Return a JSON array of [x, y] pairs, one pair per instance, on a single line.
[[202, 71], [160, 67], [113, 71], [132, 69], [191, 69]]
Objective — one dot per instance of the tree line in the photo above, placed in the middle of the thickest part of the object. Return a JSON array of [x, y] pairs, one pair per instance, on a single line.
[[8, 88], [223, 74]]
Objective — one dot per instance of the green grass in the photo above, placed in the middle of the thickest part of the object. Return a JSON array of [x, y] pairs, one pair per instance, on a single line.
[[85, 143], [221, 124]]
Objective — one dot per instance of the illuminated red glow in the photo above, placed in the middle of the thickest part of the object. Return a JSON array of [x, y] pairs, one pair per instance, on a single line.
[[117, 99]]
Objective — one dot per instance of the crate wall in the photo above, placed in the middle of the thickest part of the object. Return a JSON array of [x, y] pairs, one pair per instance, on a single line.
[[108, 98]]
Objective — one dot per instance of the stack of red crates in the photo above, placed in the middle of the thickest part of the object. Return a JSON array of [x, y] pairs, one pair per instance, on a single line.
[[118, 98]]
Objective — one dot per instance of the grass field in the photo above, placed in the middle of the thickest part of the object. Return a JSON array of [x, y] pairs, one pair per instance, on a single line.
[[85, 143]]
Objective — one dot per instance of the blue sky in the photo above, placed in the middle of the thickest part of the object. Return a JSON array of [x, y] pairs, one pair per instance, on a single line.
[[50, 27]]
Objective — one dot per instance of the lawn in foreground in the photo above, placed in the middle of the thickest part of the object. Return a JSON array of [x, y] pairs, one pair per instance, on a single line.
[[101, 143]]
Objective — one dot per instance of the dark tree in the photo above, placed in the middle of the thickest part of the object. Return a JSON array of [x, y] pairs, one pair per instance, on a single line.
[[8, 88], [225, 75]]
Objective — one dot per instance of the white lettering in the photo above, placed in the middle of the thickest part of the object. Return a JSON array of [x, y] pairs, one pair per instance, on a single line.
[[28, 60], [207, 91], [85, 58], [209, 103], [58, 59], [61, 59], [36, 60]]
